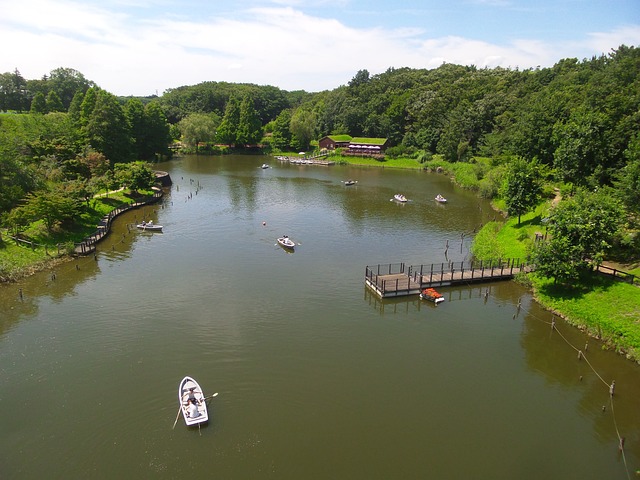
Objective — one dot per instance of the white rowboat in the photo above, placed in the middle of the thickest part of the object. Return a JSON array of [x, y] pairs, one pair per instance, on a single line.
[[286, 242], [192, 402], [149, 227]]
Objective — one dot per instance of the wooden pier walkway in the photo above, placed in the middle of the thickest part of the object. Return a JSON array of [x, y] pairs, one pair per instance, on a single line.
[[396, 280]]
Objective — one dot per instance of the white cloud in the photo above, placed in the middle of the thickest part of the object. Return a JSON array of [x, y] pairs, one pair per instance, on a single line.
[[279, 46], [605, 41]]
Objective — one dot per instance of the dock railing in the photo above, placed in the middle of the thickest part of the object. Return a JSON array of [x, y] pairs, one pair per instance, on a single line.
[[396, 279], [618, 274], [465, 271], [88, 245]]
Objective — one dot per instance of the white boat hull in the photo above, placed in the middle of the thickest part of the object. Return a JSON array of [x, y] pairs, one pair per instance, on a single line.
[[201, 415], [149, 228], [286, 242]]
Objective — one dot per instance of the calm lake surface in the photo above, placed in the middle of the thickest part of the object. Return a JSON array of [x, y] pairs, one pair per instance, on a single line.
[[317, 377]]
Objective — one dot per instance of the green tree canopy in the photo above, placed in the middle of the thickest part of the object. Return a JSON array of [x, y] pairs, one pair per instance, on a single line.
[[302, 128], [249, 131], [52, 207], [227, 131], [198, 127], [135, 175], [281, 133], [581, 230], [108, 129], [39, 104], [54, 104], [523, 186]]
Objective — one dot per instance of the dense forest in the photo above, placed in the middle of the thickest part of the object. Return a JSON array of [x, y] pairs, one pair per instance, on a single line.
[[576, 122]]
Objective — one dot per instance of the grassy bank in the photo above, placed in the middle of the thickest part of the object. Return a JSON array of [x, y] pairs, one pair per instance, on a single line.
[[18, 260], [586, 304]]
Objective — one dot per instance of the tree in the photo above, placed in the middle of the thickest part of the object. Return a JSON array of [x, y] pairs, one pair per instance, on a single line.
[[196, 128], [66, 82], [158, 136], [581, 149], [54, 104], [303, 128], [75, 108], [18, 218], [228, 128], [628, 179], [581, 230], [134, 111], [360, 78], [87, 105], [13, 92], [52, 207], [39, 104], [149, 129], [108, 130], [95, 162], [557, 258], [523, 186], [135, 175], [249, 130], [281, 134]]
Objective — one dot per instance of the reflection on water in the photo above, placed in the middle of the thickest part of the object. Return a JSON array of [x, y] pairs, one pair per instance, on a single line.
[[318, 378]]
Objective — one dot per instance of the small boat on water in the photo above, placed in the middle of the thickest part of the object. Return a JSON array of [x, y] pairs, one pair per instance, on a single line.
[[192, 402], [431, 295], [286, 242], [350, 182], [264, 165], [441, 199], [149, 226], [400, 198]]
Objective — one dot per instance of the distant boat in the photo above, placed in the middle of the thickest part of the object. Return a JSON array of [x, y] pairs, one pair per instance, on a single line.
[[264, 165], [399, 197], [286, 242], [441, 199], [350, 182], [149, 226]]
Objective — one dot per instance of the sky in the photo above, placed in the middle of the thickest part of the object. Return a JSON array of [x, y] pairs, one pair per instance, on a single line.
[[145, 47]]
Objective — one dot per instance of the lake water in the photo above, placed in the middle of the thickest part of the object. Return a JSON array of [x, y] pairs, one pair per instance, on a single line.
[[317, 377]]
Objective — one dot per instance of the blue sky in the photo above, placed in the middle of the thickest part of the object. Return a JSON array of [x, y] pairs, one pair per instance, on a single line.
[[144, 47]]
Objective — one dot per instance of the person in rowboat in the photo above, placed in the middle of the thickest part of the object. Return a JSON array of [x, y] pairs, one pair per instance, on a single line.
[[193, 408], [191, 396]]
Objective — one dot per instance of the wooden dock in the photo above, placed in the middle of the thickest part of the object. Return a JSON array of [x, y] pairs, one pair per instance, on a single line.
[[396, 280]]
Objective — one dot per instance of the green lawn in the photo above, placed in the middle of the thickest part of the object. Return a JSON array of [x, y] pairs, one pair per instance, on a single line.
[[587, 303], [17, 260], [408, 163]]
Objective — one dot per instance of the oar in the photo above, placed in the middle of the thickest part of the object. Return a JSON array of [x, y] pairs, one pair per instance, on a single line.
[[210, 397], [178, 415], [179, 407]]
